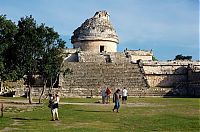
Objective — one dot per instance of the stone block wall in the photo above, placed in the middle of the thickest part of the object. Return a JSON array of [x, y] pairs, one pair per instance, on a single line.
[[94, 46], [164, 78], [91, 57], [167, 74], [87, 78], [115, 57]]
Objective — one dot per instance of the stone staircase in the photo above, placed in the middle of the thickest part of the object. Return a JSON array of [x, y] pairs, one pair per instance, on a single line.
[[86, 79]]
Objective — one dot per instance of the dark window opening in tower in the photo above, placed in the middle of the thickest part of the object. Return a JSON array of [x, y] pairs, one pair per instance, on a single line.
[[101, 48]]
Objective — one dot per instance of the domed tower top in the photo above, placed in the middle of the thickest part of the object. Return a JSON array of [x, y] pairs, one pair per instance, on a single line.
[[102, 15], [96, 34]]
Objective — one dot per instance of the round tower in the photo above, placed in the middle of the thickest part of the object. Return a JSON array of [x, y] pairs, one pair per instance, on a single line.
[[96, 34]]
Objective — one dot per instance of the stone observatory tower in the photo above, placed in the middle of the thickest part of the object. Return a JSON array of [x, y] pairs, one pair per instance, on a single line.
[[96, 34]]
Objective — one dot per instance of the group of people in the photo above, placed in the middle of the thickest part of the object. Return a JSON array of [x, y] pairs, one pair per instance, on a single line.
[[105, 95], [54, 100], [53, 104], [116, 97]]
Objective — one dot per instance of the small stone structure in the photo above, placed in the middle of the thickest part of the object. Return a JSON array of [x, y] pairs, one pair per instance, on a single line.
[[135, 55]]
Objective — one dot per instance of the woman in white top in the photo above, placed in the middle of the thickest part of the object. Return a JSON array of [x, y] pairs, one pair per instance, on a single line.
[[55, 107]]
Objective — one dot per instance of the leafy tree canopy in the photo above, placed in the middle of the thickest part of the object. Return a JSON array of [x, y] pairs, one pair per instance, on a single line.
[[181, 57], [28, 49], [7, 32]]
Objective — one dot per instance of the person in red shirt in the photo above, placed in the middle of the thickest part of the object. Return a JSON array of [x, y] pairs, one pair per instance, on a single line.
[[108, 92]]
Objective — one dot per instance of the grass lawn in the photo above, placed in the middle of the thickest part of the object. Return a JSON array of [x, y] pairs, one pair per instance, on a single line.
[[140, 114]]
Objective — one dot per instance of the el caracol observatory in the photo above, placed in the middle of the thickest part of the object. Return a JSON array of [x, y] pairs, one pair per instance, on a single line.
[[96, 34]]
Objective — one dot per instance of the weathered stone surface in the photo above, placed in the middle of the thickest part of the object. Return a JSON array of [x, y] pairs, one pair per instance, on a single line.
[[96, 34], [86, 77], [168, 74], [96, 28]]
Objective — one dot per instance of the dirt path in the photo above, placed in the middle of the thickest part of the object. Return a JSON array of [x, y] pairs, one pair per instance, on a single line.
[[126, 105]]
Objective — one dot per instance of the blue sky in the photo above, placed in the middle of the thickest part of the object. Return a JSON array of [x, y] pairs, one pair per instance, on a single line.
[[169, 27]]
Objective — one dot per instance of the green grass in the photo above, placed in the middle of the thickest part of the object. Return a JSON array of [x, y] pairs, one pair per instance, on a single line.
[[152, 114]]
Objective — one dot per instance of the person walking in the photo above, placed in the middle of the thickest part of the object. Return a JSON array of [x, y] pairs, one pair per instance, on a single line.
[[116, 100], [124, 95]]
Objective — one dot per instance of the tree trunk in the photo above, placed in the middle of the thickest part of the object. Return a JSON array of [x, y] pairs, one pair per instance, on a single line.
[[43, 90], [2, 110], [30, 94], [53, 83], [1, 85]]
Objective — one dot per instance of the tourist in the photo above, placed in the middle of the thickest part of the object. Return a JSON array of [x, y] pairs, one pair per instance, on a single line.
[[103, 94], [108, 92], [50, 105], [56, 100], [124, 95], [116, 100]]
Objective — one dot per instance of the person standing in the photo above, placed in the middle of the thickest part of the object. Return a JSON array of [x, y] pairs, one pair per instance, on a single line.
[[116, 100], [56, 100], [108, 92], [50, 105], [124, 95], [103, 94]]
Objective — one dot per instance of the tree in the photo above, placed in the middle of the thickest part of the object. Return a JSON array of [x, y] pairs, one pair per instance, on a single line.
[[154, 58], [51, 60], [7, 32], [181, 57], [28, 50]]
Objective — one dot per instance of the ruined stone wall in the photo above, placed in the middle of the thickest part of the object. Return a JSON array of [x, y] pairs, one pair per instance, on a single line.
[[135, 55], [165, 80], [167, 74], [195, 76], [134, 58], [97, 57], [115, 57], [86, 78], [140, 52], [91, 57]]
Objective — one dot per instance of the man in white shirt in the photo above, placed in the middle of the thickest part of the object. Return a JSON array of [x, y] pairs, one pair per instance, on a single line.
[[124, 95]]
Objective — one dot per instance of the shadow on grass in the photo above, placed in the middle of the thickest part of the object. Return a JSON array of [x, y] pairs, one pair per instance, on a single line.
[[25, 119], [93, 111]]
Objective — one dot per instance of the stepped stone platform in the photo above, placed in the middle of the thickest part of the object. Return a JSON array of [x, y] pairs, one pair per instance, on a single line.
[[86, 79]]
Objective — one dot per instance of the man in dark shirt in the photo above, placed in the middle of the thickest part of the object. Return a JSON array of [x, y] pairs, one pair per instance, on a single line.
[[116, 99]]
